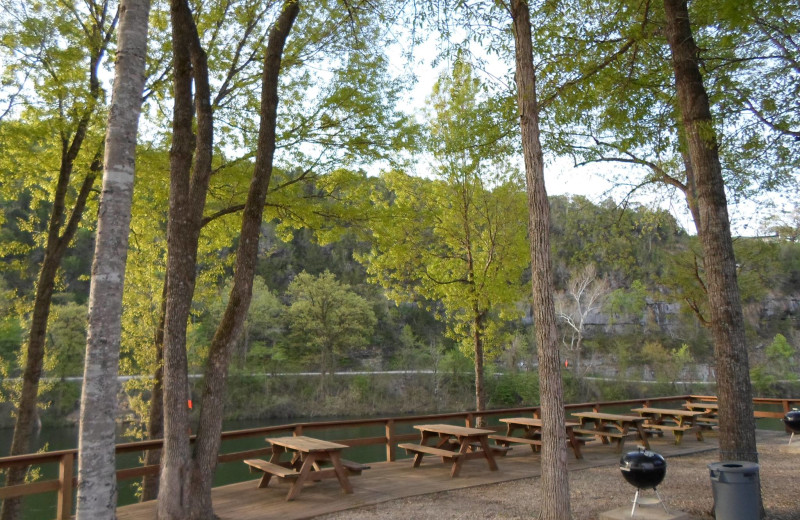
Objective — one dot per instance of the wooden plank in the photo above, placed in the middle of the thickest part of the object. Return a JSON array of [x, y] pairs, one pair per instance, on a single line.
[[273, 469], [306, 444], [65, 472], [668, 427], [450, 429], [242, 455], [39, 458], [138, 472], [604, 433], [505, 440], [33, 488], [419, 448], [355, 468]]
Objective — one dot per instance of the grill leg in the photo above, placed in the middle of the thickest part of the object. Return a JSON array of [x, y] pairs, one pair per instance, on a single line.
[[635, 501], [661, 500], [791, 438]]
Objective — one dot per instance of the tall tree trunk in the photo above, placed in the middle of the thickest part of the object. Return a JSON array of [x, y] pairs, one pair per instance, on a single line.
[[155, 417], [97, 489], [737, 425], [555, 480], [185, 491], [59, 235], [477, 341], [187, 196]]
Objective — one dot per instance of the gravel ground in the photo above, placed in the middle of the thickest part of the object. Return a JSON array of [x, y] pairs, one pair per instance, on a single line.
[[686, 487]]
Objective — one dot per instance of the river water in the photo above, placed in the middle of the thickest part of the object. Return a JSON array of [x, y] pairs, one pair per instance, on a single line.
[[43, 506]]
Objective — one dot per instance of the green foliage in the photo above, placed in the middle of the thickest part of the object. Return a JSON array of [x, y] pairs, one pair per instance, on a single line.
[[627, 302], [456, 239], [261, 331], [779, 366], [625, 243], [326, 320], [668, 365], [66, 340], [510, 390], [763, 381], [780, 352]]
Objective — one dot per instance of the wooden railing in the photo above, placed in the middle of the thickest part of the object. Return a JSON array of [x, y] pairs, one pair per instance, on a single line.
[[392, 426]]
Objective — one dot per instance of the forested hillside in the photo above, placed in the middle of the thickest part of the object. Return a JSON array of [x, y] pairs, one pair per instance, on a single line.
[[627, 296]]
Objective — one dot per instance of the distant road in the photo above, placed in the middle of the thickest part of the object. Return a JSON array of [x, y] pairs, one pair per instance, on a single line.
[[279, 374], [360, 373]]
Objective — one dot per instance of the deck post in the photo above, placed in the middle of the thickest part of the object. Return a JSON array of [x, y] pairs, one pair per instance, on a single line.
[[65, 476], [391, 454], [470, 420]]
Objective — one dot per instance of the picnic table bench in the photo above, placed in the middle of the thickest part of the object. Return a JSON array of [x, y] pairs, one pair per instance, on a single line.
[[611, 426], [676, 421], [430, 450], [470, 443], [285, 471], [269, 469]]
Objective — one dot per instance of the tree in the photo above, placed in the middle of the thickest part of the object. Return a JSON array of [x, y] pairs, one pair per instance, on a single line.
[[668, 365], [737, 425], [181, 497], [327, 320], [97, 493], [456, 239], [555, 480], [66, 100], [585, 296]]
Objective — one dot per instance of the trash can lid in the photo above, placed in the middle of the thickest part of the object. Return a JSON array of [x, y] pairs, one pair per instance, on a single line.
[[734, 466]]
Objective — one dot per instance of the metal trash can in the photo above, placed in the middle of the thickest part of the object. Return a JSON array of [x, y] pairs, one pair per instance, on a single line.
[[735, 486]]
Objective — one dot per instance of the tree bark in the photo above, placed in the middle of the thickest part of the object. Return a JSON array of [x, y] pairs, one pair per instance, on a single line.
[[188, 190], [186, 478], [737, 426], [60, 232], [97, 490], [230, 327], [555, 481], [477, 341], [155, 418]]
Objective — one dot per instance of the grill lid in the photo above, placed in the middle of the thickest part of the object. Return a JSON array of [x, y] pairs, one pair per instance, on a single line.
[[792, 420], [643, 468]]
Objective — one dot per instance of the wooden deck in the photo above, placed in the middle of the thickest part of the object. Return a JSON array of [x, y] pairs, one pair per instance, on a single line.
[[391, 480]]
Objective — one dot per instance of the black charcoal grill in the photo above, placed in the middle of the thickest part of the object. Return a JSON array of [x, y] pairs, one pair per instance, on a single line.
[[792, 421], [643, 469]]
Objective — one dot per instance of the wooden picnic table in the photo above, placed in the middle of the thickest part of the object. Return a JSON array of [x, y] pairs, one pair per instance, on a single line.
[[439, 439], [307, 454], [675, 420], [710, 417], [704, 406], [532, 433], [611, 426]]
